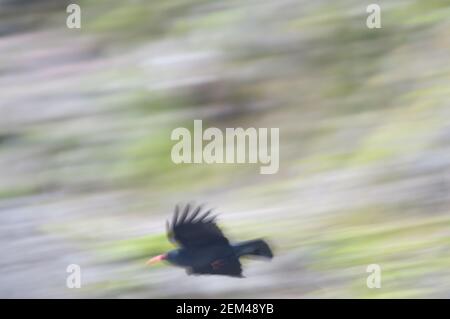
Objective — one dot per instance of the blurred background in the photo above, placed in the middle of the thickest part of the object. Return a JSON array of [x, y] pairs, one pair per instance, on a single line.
[[85, 120]]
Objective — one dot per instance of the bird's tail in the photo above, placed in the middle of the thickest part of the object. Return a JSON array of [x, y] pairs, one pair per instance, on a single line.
[[257, 247]]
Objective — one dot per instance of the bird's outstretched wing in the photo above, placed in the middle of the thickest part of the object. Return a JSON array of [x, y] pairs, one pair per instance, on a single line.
[[192, 229]]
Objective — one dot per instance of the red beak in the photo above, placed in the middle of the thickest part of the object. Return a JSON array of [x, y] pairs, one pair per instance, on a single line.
[[155, 259]]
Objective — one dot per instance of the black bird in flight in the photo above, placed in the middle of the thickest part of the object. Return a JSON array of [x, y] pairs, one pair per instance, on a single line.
[[203, 247]]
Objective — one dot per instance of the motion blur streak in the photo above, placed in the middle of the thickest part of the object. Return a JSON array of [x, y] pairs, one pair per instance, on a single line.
[[364, 116]]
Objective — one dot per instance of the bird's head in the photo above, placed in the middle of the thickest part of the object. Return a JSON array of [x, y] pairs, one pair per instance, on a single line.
[[172, 257]]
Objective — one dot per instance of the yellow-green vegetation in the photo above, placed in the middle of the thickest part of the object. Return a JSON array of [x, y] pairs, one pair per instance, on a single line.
[[408, 251], [140, 248]]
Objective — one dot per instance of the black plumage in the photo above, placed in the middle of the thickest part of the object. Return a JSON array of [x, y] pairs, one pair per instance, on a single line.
[[203, 248]]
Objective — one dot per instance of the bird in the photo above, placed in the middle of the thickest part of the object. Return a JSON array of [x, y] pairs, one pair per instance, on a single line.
[[203, 248]]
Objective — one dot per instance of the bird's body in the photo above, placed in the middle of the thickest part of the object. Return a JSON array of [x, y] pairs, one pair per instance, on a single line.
[[203, 247]]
